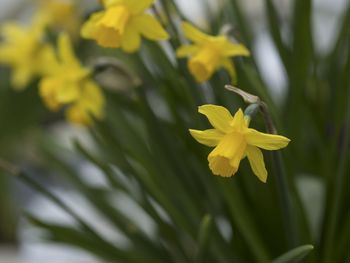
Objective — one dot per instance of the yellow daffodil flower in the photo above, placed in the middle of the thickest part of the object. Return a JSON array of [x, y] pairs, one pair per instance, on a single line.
[[233, 141], [209, 53], [68, 83], [91, 102], [23, 50], [61, 84], [121, 24]]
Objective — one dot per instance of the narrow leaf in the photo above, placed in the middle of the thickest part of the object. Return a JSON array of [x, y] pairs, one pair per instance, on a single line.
[[294, 255]]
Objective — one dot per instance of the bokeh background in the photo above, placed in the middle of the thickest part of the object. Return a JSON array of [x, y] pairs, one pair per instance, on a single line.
[[23, 120]]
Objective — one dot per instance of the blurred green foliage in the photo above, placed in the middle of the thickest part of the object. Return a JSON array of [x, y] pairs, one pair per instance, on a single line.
[[144, 150], [19, 113]]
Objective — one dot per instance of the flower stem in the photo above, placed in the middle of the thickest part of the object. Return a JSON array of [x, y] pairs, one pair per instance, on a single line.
[[284, 191], [286, 203]]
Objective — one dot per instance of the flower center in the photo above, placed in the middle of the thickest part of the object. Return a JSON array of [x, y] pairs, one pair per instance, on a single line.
[[48, 90], [204, 63], [225, 158], [111, 26]]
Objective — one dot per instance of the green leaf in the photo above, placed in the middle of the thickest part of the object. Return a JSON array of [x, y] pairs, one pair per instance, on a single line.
[[242, 218], [103, 249], [205, 231], [274, 25], [294, 255]]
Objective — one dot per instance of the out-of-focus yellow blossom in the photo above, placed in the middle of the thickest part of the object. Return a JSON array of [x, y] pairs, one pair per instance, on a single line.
[[208, 53], [91, 102], [233, 141], [68, 83], [61, 84], [24, 51], [121, 24], [60, 14]]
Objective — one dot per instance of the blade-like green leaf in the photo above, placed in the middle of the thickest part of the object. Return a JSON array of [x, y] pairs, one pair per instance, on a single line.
[[294, 255]]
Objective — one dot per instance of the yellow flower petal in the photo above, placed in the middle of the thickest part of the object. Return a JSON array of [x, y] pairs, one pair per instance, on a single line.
[[68, 92], [239, 123], [108, 3], [6, 54], [67, 65], [231, 49], [135, 6], [221, 166], [186, 50], [227, 64], [107, 27], [47, 63], [21, 77], [213, 52], [203, 64], [131, 40], [193, 33], [149, 27], [231, 148], [66, 53], [256, 160], [201, 72], [11, 31], [78, 115], [57, 14], [209, 137], [20, 49], [48, 89], [266, 141], [116, 17], [93, 99], [89, 28], [108, 37], [138, 6], [218, 116], [110, 27], [91, 102]]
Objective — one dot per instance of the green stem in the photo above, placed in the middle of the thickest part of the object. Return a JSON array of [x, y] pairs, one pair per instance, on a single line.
[[338, 192], [287, 208], [286, 204], [205, 231], [337, 189]]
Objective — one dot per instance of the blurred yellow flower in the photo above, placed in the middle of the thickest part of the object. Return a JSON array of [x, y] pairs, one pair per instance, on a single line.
[[208, 53], [23, 50], [121, 24], [233, 141], [91, 102], [68, 83], [59, 14]]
